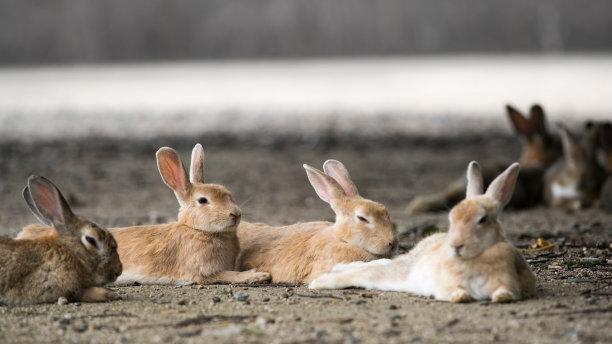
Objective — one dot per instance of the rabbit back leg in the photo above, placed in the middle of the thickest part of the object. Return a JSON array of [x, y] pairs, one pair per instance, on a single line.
[[382, 274], [250, 276]]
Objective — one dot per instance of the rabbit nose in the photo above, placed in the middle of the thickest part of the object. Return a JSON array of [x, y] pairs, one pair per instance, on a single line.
[[459, 250], [236, 215]]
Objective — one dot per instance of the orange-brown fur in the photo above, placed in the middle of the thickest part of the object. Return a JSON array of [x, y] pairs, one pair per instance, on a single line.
[[296, 253], [300, 252], [181, 257]]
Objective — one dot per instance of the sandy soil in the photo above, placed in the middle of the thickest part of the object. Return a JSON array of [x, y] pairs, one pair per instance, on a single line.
[[115, 182]]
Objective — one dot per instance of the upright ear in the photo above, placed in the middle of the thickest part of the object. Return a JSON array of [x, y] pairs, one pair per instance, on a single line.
[[572, 151], [474, 180], [538, 120], [521, 124], [196, 172], [325, 186], [49, 202], [502, 187], [173, 172], [28, 198], [336, 170]]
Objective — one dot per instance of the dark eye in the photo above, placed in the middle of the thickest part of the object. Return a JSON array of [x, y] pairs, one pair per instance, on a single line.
[[202, 200], [362, 219], [91, 241], [482, 220]]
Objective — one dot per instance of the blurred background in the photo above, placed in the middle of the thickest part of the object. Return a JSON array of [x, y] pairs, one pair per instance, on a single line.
[[143, 68]]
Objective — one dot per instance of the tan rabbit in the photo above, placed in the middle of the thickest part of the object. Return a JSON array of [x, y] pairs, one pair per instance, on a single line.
[[539, 150], [201, 247], [575, 181], [73, 261], [300, 252], [473, 261]]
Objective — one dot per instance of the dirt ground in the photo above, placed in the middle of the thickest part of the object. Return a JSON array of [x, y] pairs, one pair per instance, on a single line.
[[115, 183]]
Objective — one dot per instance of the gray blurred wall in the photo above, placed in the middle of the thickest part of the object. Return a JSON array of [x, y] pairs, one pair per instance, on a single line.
[[51, 31]]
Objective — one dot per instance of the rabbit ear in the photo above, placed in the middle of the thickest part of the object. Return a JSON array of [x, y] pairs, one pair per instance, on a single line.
[[49, 202], [28, 198], [521, 124], [502, 187], [336, 170], [538, 120], [325, 186], [196, 172], [572, 151], [173, 172], [474, 180]]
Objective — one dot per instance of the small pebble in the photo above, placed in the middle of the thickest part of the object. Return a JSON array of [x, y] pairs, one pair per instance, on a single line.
[[216, 299], [62, 301], [394, 316], [393, 307], [240, 296], [183, 302], [80, 325]]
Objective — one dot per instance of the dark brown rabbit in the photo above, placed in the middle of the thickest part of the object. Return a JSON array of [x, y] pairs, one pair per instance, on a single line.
[[539, 149]]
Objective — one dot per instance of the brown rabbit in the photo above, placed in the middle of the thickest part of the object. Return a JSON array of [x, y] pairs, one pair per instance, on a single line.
[[73, 261], [201, 247], [540, 149], [575, 181], [300, 252]]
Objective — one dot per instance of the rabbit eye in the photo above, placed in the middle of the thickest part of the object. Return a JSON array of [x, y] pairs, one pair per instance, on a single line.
[[202, 200], [362, 219], [482, 220], [91, 241]]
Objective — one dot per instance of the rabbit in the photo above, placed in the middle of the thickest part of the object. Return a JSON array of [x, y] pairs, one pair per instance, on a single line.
[[201, 247], [473, 261], [604, 143], [575, 181], [74, 261], [300, 252], [540, 149]]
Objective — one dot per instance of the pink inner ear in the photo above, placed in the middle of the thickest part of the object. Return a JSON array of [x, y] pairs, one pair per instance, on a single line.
[[173, 174], [46, 198]]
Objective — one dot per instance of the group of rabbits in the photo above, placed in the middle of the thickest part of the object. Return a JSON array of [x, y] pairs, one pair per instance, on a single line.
[[69, 256], [556, 170]]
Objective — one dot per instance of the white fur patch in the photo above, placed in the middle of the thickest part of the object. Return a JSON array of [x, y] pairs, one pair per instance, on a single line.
[[474, 286], [565, 191], [422, 281]]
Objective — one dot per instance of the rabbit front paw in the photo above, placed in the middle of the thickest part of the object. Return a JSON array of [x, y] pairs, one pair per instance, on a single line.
[[502, 295], [460, 296]]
